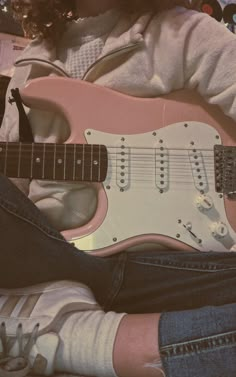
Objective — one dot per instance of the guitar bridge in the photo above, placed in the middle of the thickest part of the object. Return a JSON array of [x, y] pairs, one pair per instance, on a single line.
[[225, 169]]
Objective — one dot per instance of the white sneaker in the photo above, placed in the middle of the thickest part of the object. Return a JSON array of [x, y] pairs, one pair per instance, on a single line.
[[28, 344]]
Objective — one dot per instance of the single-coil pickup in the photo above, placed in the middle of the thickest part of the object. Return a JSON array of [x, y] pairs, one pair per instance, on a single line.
[[162, 168], [198, 170], [123, 166]]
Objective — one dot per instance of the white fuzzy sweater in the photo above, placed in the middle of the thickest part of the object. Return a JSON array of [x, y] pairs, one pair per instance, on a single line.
[[83, 42]]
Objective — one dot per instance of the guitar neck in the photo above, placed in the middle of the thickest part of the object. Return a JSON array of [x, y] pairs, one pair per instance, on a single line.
[[61, 162]]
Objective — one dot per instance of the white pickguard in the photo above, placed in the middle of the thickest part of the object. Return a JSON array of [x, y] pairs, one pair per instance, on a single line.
[[141, 202]]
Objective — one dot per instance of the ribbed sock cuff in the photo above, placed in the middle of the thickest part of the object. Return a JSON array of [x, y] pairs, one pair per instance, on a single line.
[[87, 342]]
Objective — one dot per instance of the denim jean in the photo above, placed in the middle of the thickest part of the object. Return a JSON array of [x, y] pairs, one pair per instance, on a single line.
[[195, 292]]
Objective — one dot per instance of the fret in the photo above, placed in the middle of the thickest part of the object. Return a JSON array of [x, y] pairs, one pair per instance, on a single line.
[[59, 164], [43, 172], [83, 161], [24, 160], [5, 165], [99, 163], [19, 161], [74, 160], [86, 163], [11, 160], [31, 162], [64, 161], [48, 169], [96, 163], [103, 166], [78, 166], [70, 162], [37, 163], [91, 168], [54, 161], [2, 157]]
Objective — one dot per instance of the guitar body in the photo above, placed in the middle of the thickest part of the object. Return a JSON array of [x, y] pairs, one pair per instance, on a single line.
[[160, 185]]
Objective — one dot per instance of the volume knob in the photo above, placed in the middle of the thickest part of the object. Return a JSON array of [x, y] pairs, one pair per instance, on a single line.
[[219, 230], [204, 202]]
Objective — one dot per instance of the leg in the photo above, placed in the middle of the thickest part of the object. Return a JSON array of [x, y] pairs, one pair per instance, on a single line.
[[90, 347], [170, 281], [136, 351], [33, 252], [196, 343], [199, 342]]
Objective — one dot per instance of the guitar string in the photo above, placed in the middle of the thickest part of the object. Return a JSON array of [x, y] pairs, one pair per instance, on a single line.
[[104, 155], [132, 178], [106, 150], [151, 170], [142, 170], [72, 148], [210, 160], [205, 159], [149, 158], [86, 146], [178, 166], [141, 177], [135, 163]]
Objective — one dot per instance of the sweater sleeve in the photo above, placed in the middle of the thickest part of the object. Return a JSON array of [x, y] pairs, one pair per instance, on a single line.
[[210, 61]]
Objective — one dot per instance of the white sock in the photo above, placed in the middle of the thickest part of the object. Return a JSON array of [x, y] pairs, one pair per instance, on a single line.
[[86, 343]]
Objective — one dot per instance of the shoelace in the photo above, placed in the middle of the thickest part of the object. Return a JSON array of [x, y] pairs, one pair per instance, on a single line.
[[16, 366]]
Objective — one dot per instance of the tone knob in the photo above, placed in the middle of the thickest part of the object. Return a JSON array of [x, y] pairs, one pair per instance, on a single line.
[[219, 230], [204, 202]]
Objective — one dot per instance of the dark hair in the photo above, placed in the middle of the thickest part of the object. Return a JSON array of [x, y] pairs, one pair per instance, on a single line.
[[47, 18]]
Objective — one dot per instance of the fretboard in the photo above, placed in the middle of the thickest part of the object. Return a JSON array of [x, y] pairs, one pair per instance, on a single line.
[[62, 162]]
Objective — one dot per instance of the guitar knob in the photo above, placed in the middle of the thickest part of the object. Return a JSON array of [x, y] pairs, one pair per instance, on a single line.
[[204, 202], [219, 230]]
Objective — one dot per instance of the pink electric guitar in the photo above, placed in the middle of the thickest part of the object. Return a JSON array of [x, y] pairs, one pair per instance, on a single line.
[[165, 168]]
